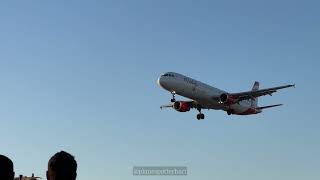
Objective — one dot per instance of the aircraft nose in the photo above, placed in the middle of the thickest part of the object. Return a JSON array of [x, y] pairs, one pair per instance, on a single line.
[[161, 81]]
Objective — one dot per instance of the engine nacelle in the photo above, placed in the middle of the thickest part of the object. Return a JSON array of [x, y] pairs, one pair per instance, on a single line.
[[181, 106], [227, 99]]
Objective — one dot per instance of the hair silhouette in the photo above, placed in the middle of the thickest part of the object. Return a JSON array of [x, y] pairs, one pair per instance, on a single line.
[[6, 168], [62, 166]]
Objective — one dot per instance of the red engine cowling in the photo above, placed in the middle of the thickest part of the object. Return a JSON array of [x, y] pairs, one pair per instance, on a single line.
[[181, 106], [227, 99]]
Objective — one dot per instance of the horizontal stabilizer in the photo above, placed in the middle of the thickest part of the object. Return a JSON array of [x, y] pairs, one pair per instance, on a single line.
[[265, 107]]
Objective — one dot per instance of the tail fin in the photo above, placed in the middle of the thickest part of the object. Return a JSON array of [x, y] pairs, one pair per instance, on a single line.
[[255, 86], [254, 101]]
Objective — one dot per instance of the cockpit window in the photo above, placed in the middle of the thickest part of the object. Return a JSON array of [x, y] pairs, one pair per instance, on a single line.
[[168, 74]]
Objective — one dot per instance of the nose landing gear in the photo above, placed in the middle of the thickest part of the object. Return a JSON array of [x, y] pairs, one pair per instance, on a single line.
[[173, 96]]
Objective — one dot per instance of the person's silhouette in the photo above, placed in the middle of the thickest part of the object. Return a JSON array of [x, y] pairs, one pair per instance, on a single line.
[[62, 166], [6, 168]]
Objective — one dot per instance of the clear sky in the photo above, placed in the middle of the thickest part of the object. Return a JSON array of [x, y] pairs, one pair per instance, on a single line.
[[81, 76]]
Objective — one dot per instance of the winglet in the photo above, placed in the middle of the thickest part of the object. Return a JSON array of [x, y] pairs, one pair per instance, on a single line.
[[292, 85]]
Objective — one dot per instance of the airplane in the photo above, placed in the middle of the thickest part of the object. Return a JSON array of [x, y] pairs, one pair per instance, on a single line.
[[204, 96]]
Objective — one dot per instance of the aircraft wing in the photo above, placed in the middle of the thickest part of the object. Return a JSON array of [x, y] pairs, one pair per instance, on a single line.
[[254, 94]]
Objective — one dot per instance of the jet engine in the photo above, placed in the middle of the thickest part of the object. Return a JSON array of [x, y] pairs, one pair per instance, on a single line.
[[181, 106], [227, 99]]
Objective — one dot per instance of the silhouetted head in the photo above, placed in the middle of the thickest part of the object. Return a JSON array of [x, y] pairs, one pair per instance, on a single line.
[[6, 168], [62, 166]]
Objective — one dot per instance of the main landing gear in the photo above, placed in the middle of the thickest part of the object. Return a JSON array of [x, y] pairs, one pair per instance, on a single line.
[[200, 115], [173, 97], [230, 111]]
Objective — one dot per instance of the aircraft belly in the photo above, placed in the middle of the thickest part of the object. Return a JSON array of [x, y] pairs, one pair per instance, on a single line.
[[202, 97]]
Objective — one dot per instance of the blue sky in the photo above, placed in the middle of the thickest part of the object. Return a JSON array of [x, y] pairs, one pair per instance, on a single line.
[[81, 76]]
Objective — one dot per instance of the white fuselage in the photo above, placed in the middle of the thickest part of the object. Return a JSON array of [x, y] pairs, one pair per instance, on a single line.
[[201, 93]]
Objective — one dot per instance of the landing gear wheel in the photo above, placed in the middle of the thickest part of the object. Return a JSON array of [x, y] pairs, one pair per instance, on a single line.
[[173, 100], [229, 112], [200, 116]]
